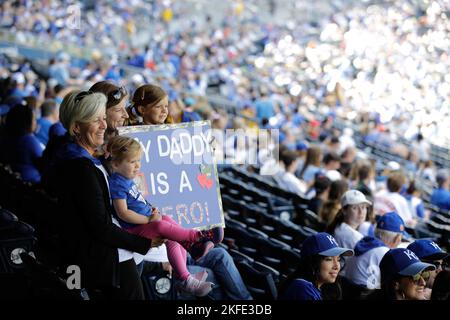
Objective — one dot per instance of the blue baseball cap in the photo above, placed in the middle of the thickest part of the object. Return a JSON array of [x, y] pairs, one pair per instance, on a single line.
[[402, 262], [427, 250], [391, 221], [323, 244]]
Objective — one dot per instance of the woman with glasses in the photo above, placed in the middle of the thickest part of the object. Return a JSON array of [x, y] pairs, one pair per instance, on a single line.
[[116, 113], [403, 276], [428, 251], [89, 235], [315, 277]]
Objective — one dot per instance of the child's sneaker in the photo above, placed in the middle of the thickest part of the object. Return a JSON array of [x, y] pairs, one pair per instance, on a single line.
[[196, 287], [215, 235], [201, 276]]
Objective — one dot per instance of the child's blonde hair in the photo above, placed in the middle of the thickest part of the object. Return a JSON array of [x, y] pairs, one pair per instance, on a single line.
[[121, 148]]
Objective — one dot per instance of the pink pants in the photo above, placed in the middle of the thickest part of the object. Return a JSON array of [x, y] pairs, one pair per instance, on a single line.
[[167, 228]]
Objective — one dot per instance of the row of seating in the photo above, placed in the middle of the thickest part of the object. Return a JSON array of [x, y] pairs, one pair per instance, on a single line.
[[287, 205]]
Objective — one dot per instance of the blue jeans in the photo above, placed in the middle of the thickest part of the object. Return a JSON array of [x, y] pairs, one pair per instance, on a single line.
[[224, 274]]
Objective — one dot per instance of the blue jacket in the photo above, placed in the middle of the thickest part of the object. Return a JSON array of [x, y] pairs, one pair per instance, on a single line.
[[367, 244]]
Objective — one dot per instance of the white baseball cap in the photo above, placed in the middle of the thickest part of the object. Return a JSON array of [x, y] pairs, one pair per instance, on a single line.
[[354, 197]]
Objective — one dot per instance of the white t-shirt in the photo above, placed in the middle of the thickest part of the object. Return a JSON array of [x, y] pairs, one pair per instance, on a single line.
[[293, 184], [386, 201], [364, 228], [364, 270], [346, 236]]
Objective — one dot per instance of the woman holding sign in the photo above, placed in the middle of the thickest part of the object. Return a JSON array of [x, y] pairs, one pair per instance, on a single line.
[[89, 235], [137, 216], [116, 113], [150, 107]]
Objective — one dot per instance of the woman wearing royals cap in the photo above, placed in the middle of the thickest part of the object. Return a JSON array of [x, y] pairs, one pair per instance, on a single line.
[[403, 276], [353, 213], [319, 267]]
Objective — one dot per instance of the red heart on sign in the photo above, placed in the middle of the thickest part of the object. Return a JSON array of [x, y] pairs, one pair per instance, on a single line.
[[201, 178], [209, 183]]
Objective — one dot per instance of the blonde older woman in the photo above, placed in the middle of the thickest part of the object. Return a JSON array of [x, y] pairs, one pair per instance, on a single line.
[[89, 234]]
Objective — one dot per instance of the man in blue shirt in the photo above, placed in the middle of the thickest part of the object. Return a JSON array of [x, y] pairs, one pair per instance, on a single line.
[[441, 196], [50, 115], [264, 107]]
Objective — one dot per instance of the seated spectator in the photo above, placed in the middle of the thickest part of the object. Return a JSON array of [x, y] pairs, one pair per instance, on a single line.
[[428, 251], [150, 105], [21, 149], [138, 216], [391, 199], [403, 276], [363, 268], [322, 189], [413, 196], [49, 116], [364, 176], [320, 264], [347, 158], [332, 206], [331, 162], [116, 113], [441, 196], [311, 165], [179, 113], [349, 218], [286, 178], [426, 171], [441, 287]]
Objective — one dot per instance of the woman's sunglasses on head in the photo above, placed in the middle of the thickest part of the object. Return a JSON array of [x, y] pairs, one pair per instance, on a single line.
[[119, 93], [81, 95]]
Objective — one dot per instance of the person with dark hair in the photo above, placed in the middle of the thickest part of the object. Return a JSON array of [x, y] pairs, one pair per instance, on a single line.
[[311, 165], [391, 199], [150, 105], [179, 113], [413, 196], [403, 276], [347, 159], [428, 251], [353, 213], [441, 287], [322, 188], [286, 178], [332, 205], [49, 116], [116, 113], [441, 196], [364, 171], [21, 149], [320, 265], [331, 165]]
